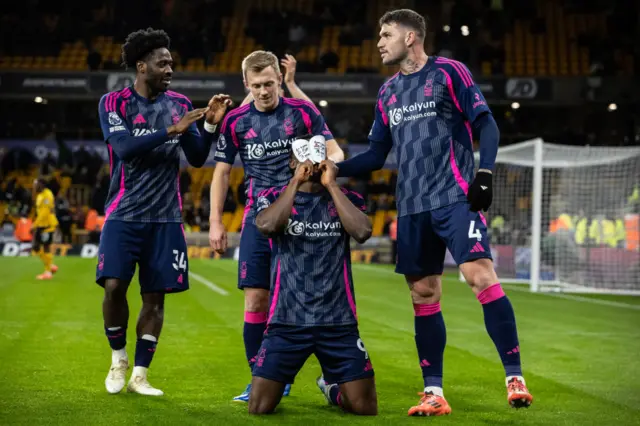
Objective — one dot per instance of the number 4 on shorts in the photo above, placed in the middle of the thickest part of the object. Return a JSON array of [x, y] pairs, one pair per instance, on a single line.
[[474, 233]]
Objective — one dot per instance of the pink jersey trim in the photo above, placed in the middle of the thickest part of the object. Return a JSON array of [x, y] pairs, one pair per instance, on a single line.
[[456, 171], [115, 202], [347, 287]]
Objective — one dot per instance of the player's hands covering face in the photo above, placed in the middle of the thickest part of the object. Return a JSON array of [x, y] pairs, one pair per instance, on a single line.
[[329, 172], [303, 171], [217, 107]]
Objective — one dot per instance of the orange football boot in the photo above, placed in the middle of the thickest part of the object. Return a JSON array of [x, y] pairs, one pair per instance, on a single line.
[[430, 405], [517, 393]]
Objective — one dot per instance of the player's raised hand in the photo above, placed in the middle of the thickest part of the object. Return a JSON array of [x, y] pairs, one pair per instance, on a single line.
[[187, 120], [303, 172], [218, 237], [289, 64], [217, 107], [329, 173]]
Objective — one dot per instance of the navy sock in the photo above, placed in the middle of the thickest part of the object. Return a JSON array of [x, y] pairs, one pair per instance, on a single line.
[[501, 326], [255, 323], [431, 338], [335, 395], [145, 349], [117, 337]]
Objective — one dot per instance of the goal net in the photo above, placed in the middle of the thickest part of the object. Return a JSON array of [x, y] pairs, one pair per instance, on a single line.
[[567, 218]]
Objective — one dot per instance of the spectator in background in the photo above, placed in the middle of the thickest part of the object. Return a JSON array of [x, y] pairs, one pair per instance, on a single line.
[[94, 60], [63, 212]]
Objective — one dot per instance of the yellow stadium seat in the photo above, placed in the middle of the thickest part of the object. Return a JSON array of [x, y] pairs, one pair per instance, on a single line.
[[378, 222]]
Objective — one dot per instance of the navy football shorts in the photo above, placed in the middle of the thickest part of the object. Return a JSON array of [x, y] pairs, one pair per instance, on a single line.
[[159, 249], [339, 350], [254, 262], [423, 239]]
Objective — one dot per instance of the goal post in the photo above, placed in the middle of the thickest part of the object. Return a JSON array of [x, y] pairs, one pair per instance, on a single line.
[[566, 218]]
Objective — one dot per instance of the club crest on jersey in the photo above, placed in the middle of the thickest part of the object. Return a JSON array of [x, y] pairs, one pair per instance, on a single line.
[[175, 117], [333, 212], [288, 127], [114, 119], [428, 87]]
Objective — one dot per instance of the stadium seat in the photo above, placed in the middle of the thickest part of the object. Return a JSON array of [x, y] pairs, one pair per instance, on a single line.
[[378, 223]]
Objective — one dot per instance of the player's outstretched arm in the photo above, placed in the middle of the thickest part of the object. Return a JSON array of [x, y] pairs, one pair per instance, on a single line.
[[274, 218], [217, 195], [196, 147], [380, 144], [367, 162], [124, 144], [355, 222], [289, 64]]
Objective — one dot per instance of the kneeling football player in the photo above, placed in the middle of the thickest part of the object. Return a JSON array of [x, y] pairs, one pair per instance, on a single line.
[[312, 307]]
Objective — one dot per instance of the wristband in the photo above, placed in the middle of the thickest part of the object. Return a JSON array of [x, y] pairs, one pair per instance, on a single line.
[[211, 128]]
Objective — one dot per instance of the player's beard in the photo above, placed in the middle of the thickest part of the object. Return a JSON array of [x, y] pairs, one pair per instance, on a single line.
[[395, 60]]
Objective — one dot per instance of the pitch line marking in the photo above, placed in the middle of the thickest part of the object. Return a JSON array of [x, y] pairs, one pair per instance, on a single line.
[[208, 283]]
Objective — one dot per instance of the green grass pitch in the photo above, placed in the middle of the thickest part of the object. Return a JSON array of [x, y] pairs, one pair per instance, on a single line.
[[580, 355]]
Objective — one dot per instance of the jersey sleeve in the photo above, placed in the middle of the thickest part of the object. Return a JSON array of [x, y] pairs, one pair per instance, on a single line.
[[356, 199], [226, 148], [470, 98], [266, 198], [111, 120], [193, 128]]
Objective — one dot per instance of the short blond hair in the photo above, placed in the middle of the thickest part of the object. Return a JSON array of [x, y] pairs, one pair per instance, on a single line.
[[259, 60]]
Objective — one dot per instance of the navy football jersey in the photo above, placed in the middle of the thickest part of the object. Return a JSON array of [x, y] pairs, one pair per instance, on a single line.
[[427, 117], [311, 282], [263, 140], [145, 188]]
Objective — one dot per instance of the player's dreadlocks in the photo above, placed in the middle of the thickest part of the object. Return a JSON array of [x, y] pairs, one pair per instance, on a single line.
[[142, 42]]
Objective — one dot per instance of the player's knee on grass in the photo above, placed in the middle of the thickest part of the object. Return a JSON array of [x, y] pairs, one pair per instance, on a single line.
[[265, 395], [425, 290], [359, 397], [256, 300], [479, 274]]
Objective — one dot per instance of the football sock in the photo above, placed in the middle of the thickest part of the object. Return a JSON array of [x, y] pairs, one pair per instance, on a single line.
[[500, 322], [335, 395], [255, 323], [117, 337], [145, 348], [47, 258], [431, 338]]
